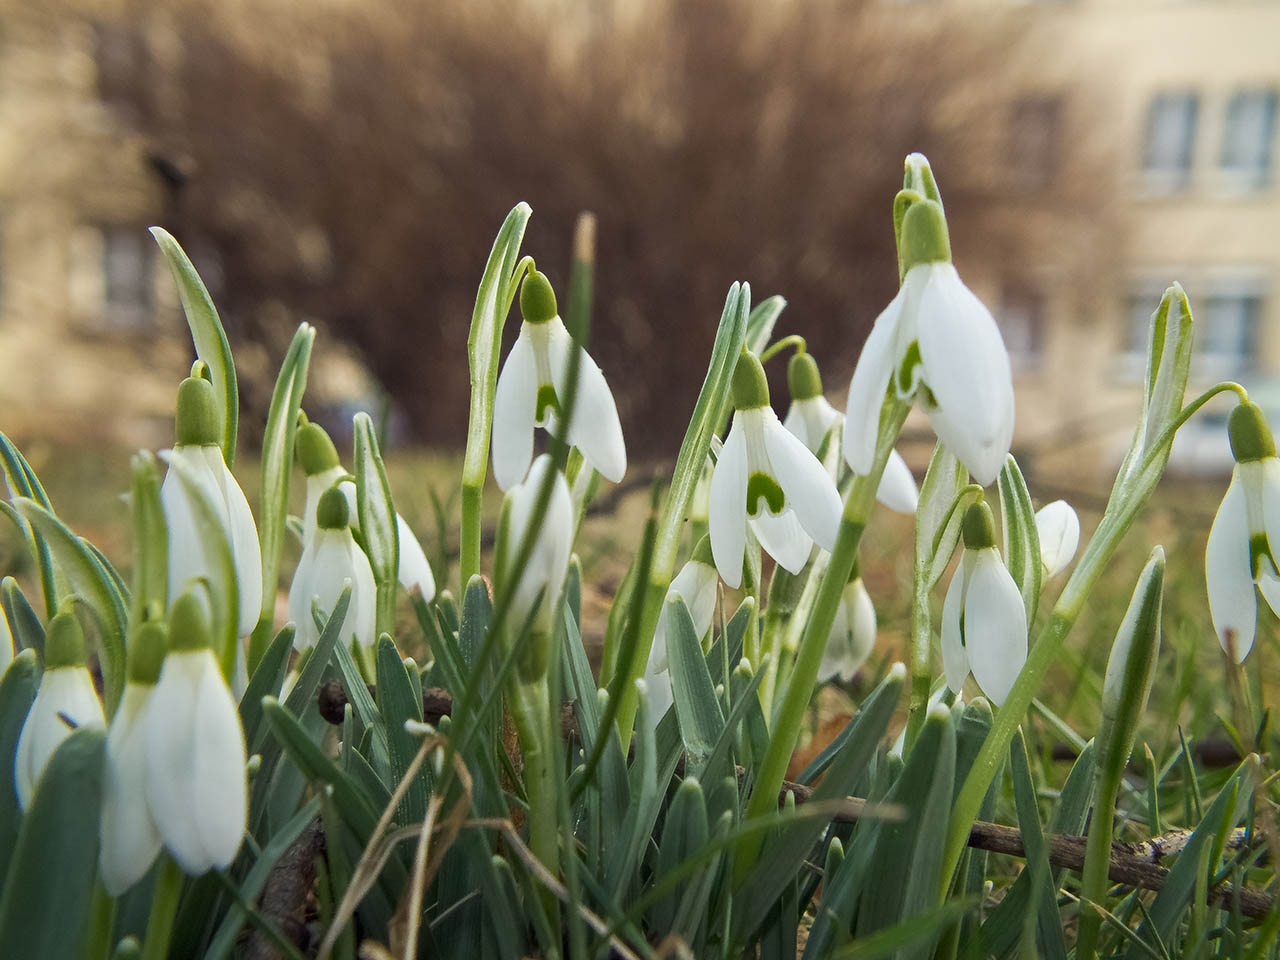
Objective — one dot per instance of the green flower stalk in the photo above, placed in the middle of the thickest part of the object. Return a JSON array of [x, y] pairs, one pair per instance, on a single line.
[[1126, 688]]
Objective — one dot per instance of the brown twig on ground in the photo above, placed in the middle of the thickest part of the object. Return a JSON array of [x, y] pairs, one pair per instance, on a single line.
[[1138, 865]]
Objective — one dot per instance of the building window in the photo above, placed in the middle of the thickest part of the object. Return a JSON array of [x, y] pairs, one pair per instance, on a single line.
[[1227, 335], [1022, 323], [1248, 137], [112, 279], [119, 56], [1171, 134], [1034, 141]]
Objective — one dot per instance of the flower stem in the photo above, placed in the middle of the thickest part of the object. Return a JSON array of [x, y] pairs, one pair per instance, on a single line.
[[775, 348], [469, 562], [1097, 861], [164, 908], [530, 709], [102, 915]]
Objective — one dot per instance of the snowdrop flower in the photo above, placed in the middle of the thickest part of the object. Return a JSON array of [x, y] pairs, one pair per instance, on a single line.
[[130, 837], [984, 622], [936, 341], [853, 633], [531, 388], [768, 478], [66, 700], [331, 560], [320, 463], [811, 418], [197, 448], [695, 584], [539, 583], [1240, 557], [1058, 528], [196, 786]]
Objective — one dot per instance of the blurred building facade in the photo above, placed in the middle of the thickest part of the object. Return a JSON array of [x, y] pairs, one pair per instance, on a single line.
[[1184, 93]]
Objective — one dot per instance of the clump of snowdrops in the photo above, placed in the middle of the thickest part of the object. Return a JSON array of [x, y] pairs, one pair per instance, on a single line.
[[168, 769]]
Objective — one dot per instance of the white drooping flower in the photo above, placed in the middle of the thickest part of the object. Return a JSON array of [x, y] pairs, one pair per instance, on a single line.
[[65, 700], [330, 560], [1058, 528], [1240, 557], [767, 478], [853, 634], [811, 418], [320, 462], [532, 386], [130, 839], [539, 583], [695, 584], [936, 341], [984, 621], [196, 785], [197, 449]]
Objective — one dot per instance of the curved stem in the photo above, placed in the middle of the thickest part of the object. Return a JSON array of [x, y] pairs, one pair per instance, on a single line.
[[1165, 438], [775, 348]]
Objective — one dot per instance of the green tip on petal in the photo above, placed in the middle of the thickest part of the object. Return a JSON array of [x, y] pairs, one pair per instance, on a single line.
[[702, 552], [917, 176], [333, 512], [316, 451], [196, 424], [803, 379], [200, 371], [147, 648], [537, 299], [188, 625], [64, 640], [1251, 437], [925, 238], [750, 386], [978, 527]]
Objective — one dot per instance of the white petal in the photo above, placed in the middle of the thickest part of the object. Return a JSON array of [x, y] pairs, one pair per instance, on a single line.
[[955, 658], [868, 387], [186, 554], [967, 369], [594, 429], [1270, 497], [783, 538], [415, 571], [301, 592], [702, 604], [170, 733], [1058, 528], [835, 654], [995, 626], [727, 506], [548, 563], [63, 690], [513, 414], [863, 613], [315, 486], [130, 840], [809, 490], [363, 610], [1233, 604], [6, 644], [798, 424], [245, 552], [659, 694], [221, 788], [897, 489]]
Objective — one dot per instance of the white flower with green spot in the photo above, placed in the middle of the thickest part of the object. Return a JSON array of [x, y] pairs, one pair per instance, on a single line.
[[938, 342], [811, 418], [696, 585], [1240, 557], [532, 386], [984, 621], [767, 478], [331, 560], [853, 633], [1058, 529]]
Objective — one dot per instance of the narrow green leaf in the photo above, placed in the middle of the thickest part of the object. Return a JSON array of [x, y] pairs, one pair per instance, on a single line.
[[914, 932], [685, 831], [397, 703], [28, 631], [150, 541], [377, 519], [1021, 537], [17, 692], [22, 482], [277, 465], [760, 322], [697, 708], [89, 580], [1049, 941], [208, 336], [265, 681], [50, 880]]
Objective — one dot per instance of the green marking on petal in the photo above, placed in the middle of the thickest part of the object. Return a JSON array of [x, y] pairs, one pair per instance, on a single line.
[[546, 399], [1259, 550], [762, 486], [907, 369]]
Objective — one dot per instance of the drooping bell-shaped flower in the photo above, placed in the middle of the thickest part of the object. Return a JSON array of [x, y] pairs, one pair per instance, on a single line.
[[768, 478], [66, 700], [196, 445], [938, 342], [984, 621], [536, 585], [695, 584], [1058, 528], [196, 785], [330, 560], [811, 418], [853, 633], [129, 835], [1241, 555], [320, 463], [532, 386]]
